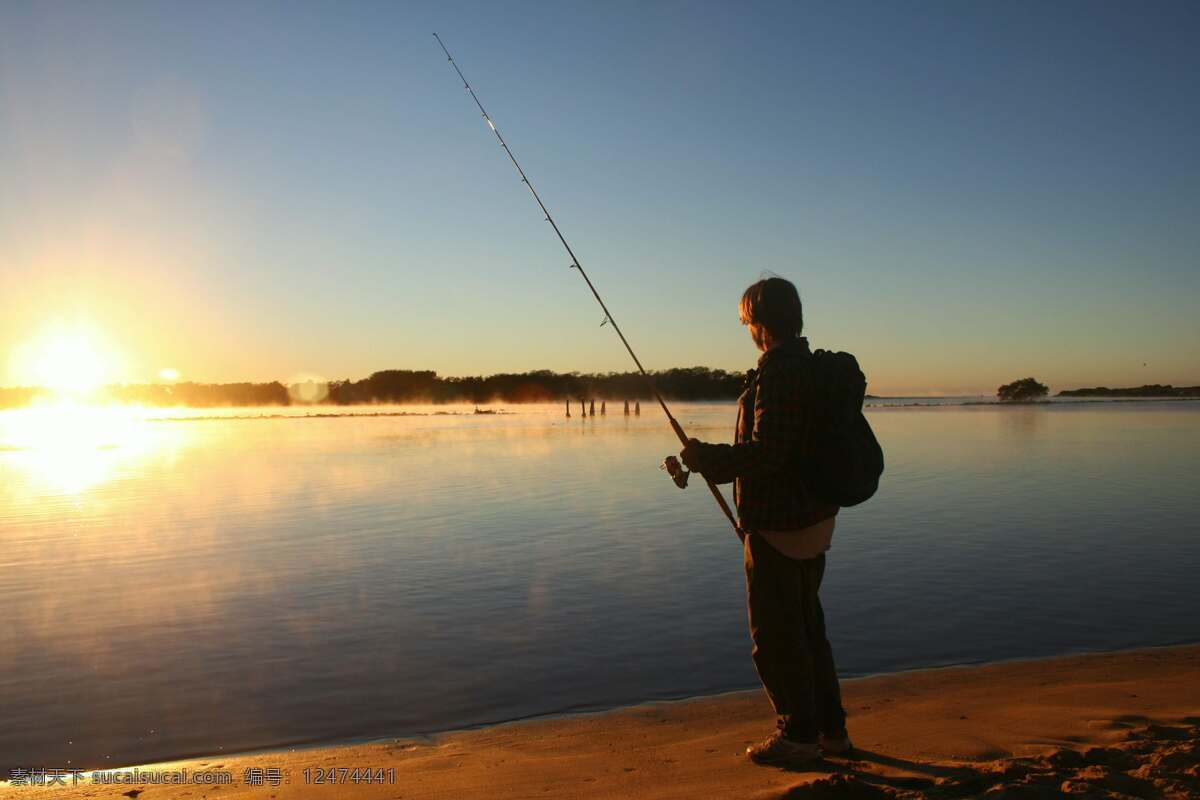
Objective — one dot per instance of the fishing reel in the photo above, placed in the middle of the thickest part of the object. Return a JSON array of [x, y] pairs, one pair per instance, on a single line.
[[676, 471]]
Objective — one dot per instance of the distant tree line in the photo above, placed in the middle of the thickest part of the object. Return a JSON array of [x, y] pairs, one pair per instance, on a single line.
[[424, 386], [1149, 390], [199, 395], [407, 386], [402, 386]]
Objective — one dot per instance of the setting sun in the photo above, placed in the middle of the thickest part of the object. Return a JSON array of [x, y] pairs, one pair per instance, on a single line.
[[68, 359]]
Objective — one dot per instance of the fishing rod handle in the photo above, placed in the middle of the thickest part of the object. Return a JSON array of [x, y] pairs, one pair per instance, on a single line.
[[712, 487]]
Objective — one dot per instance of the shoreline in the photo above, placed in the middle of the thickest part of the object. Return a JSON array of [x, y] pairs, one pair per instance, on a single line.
[[555, 716], [1094, 723]]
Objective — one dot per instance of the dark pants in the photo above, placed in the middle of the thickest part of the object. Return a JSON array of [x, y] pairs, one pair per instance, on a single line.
[[792, 655]]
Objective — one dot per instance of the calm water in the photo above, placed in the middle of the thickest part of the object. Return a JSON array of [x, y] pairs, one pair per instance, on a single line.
[[181, 587]]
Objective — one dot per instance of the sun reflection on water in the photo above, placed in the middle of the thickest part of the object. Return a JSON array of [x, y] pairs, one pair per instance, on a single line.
[[66, 448]]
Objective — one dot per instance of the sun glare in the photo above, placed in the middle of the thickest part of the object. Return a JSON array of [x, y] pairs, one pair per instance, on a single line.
[[68, 360], [70, 363]]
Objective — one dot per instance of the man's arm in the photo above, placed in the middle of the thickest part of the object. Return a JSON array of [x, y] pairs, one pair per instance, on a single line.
[[778, 428]]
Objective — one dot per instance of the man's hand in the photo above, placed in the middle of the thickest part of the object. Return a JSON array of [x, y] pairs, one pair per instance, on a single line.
[[710, 460], [693, 455]]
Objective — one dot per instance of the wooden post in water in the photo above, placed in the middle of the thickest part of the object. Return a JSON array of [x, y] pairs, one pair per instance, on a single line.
[[568, 408]]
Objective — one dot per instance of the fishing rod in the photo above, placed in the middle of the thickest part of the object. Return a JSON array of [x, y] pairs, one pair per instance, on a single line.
[[671, 464]]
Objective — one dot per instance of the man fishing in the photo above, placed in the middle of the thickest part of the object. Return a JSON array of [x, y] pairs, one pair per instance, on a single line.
[[787, 531], [785, 528]]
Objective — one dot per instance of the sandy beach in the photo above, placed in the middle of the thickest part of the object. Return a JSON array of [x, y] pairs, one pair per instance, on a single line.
[[1121, 724]]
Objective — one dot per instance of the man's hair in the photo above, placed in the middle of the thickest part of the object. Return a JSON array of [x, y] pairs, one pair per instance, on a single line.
[[774, 304]]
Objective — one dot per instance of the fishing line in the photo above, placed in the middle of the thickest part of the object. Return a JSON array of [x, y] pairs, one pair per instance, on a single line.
[[608, 317]]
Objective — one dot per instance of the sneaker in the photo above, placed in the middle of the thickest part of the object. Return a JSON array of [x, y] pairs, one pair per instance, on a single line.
[[778, 749], [836, 745]]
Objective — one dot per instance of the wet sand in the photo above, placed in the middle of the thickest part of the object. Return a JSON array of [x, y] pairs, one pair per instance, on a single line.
[[1104, 725]]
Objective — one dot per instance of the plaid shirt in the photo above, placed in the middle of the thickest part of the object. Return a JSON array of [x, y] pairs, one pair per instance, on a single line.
[[764, 461]]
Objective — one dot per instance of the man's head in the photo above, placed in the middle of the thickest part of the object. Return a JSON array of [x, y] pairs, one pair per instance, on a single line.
[[771, 309]]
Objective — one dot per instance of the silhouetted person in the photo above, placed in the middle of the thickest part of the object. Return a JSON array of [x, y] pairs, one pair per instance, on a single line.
[[568, 408], [627, 408], [637, 408], [592, 408], [582, 408], [602, 409], [787, 532]]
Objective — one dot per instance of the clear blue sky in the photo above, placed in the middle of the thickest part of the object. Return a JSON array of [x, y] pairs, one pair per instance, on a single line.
[[965, 193]]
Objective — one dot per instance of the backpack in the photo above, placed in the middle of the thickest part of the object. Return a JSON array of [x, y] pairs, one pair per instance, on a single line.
[[843, 460]]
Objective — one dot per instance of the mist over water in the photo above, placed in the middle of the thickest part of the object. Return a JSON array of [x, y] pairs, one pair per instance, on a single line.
[[189, 586]]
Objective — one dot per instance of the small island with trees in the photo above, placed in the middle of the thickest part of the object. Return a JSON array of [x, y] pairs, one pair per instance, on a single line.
[[1026, 390]]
